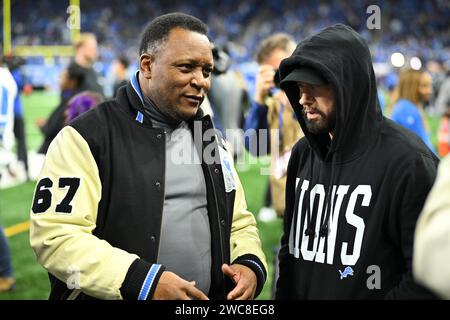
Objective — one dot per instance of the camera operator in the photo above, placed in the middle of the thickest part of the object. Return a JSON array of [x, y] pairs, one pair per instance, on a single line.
[[272, 111], [227, 96]]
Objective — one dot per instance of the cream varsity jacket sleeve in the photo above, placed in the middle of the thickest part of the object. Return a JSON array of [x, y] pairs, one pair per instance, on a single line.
[[431, 260], [63, 216]]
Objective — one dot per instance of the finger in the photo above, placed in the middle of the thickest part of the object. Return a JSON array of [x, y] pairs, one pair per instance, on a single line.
[[269, 84], [195, 293], [265, 82], [236, 292], [265, 77], [247, 295], [266, 68], [185, 296], [228, 271]]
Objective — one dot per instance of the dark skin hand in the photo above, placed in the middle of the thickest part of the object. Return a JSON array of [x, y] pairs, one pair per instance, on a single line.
[[172, 287], [245, 280]]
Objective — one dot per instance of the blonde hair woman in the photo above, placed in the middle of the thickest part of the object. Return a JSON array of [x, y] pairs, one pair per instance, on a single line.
[[413, 91]]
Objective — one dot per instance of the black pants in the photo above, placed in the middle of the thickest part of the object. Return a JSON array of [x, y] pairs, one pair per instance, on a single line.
[[19, 133]]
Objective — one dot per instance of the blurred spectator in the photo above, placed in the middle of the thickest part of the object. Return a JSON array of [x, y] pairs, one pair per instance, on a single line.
[[19, 122], [271, 110], [120, 71], [79, 76], [14, 64], [7, 279], [390, 82], [8, 92], [444, 132], [227, 96], [86, 53], [437, 72], [243, 24], [443, 96], [70, 84], [82, 102], [413, 91]]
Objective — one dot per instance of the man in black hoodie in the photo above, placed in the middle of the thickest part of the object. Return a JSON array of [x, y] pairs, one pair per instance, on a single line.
[[356, 183]]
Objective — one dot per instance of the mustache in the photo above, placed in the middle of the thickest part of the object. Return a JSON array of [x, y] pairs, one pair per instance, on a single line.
[[304, 112]]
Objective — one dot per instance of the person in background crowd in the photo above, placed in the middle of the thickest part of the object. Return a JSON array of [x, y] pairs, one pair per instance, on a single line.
[[120, 71], [227, 98], [86, 53], [413, 91], [443, 96], [70, 85], [443, 108], [81, 103], [8, 93], [14, 64], [444, 132], [271, 110]]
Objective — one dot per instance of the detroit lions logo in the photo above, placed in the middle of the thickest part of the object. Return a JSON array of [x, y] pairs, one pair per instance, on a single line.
[[348, 271]]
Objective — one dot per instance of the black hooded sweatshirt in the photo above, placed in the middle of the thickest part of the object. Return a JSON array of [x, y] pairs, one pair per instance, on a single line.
[[375, 174]]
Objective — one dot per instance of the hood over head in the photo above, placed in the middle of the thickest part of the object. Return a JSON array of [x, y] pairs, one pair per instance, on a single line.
[[339, 56]]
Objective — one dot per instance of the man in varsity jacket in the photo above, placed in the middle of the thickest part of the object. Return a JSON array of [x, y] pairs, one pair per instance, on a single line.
[[138, 198]]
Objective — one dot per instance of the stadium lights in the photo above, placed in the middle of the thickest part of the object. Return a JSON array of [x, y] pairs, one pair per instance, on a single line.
[[397, 59], [415, 63]]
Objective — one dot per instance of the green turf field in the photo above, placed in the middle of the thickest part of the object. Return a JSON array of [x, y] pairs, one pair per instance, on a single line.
[[15, 203], [37, 105]]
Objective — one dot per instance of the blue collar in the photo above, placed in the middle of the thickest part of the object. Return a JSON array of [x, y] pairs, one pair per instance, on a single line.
[[135, 84]]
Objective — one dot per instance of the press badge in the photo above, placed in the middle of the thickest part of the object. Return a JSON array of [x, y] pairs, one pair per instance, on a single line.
[[227, 170]]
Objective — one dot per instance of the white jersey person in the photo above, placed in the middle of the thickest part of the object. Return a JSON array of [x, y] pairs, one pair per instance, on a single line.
[[8, 92]]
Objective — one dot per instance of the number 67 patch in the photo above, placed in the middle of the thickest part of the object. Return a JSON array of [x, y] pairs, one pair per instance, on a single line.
[[43, 195]]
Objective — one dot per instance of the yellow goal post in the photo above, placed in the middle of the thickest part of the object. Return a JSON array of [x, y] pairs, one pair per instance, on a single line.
[[72, 22]]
